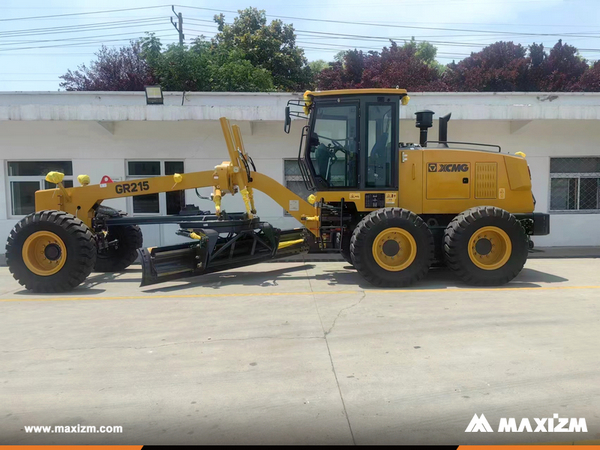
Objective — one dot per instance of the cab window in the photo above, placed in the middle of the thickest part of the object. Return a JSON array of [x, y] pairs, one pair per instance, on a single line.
[[334, 145], [379, 146]]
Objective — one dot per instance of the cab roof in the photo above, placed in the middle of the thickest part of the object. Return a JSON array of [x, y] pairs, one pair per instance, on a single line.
[[369, 91]]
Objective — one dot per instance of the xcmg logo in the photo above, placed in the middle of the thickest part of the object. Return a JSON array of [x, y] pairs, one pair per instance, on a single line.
[[443, 167], [543, 425]]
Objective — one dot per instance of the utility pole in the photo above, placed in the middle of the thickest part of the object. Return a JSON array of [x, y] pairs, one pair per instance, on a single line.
[[179, 27]]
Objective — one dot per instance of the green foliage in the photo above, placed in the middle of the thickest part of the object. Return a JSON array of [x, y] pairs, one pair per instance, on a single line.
[[232, 73], [252, 55], [317, 66], [267, 46], [203, 67], [339, 56], [179, 68]]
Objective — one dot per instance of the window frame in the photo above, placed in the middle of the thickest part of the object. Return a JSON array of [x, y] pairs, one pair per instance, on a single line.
[[573, 175], [393, 185], [162, 196], [27, 178], [320, 181]]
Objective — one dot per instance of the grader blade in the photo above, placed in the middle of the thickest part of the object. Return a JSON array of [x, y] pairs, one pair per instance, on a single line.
[[215, 250]]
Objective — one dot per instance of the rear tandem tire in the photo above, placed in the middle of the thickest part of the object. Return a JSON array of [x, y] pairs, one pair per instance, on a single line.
[[50, 251], [485, 246], [392, 247]]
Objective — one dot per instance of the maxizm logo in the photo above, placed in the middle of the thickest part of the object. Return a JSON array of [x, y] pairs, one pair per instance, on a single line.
[[435, 167], [554, 424]]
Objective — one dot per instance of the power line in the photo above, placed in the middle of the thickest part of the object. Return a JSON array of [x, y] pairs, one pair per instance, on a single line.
[[81, 28], [393, 25], [81, 13], [2, 44], [318, 40], [74, 44], [328, 35]]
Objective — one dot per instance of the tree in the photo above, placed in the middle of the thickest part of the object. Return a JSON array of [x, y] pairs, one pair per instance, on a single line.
[[537, 68], [271, 47], [564, 68], [114, 70], [203, 67], [317, 66], [343, 74], [590, 80], [331, 77], [501, 66], [178, 68], [248, 55], [504, 66], [410, 66], [230, 72]]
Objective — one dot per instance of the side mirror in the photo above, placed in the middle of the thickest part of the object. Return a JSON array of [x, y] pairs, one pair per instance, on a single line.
[[288, 120]]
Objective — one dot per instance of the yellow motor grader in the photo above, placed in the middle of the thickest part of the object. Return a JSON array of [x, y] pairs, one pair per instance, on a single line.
[[392, 209]]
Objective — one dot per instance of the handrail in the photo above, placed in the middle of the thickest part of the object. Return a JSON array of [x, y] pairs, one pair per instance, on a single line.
[[466, 143]]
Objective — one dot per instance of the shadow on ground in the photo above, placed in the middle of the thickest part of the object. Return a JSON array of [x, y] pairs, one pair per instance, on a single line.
[[347, 276], [97, 278], [438, 278], [79, 291], [263, 279]]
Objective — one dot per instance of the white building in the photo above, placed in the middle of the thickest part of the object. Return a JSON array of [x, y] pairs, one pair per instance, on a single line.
[[117, 134]]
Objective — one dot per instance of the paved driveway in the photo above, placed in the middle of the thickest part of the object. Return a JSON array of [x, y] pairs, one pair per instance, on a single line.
[[301, 353]]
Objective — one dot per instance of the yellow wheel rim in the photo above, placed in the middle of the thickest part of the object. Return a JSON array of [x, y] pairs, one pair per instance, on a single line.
[[394, 249], [44, 253], [490, 248]]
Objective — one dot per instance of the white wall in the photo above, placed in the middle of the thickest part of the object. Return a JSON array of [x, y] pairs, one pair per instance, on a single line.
[[98, 152]]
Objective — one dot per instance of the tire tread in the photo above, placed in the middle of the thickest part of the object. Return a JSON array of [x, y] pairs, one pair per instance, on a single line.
[[360, 237], [456, 234], [63, 280]]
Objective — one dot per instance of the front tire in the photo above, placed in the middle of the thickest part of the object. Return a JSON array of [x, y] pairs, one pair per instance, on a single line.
[[485, 246], [50, 251], [392, 247]]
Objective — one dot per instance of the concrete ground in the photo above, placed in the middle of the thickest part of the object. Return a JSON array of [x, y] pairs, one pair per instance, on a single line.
[[301, 353]]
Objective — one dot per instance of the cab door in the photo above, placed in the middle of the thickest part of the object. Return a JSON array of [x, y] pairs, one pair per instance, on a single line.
[[380, 145]]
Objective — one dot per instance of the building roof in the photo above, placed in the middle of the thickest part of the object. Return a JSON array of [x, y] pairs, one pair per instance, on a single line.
[[131, 106], [356, 92]]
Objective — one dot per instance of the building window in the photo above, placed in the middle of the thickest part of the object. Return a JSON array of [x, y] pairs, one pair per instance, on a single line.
[[575, 184], [165, 203], [26, 177], [293, 179]]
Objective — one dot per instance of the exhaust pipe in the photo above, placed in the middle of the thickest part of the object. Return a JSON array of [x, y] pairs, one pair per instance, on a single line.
[[424, 121], [444, 129]]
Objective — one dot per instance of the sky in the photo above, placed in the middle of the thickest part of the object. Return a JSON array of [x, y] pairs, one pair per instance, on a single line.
[[35, 51]]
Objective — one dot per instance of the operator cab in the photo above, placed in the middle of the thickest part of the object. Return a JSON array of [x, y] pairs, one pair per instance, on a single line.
[[351, 138]]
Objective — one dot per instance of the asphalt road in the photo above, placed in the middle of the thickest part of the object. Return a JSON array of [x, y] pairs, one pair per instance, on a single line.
[[301, 353]]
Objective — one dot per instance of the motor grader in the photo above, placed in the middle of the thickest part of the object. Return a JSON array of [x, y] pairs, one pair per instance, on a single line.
[[392, 209]]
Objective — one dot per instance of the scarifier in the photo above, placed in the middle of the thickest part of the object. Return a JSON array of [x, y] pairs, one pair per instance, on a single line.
[[392, 209]]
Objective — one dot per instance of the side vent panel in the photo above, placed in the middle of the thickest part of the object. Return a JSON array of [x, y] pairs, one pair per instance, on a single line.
[[486, 180]]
